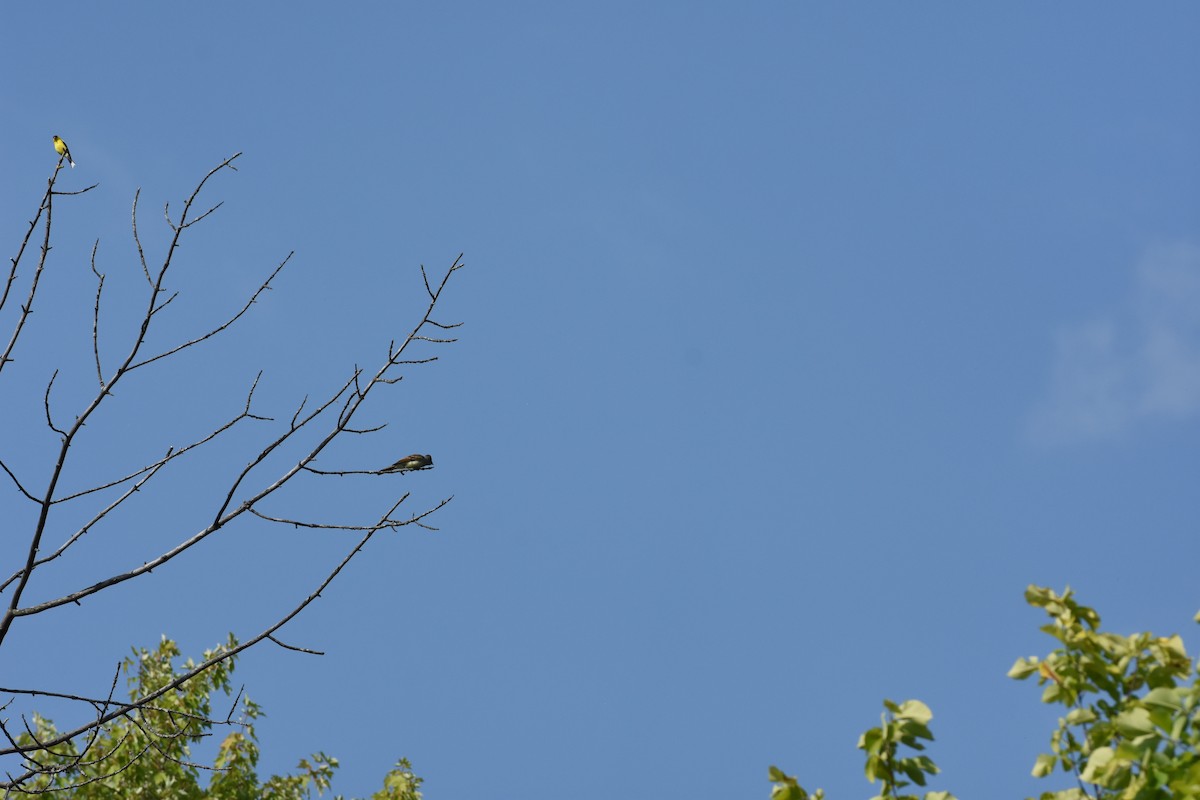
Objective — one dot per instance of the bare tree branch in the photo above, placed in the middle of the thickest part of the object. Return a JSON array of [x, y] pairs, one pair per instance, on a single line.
[[88, 525], [96, 314], [217, 658], [45, 206], [69, 436], [137, 240], [262, 288], [289, 451], [100, 704], [393, 524], [12, 272], [27, 308], [20, 488], [223, 516], [297, 649], [46, 405]]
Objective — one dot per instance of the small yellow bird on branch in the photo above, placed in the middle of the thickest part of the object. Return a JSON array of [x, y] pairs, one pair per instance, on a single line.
[[409, 463], [61, 148]]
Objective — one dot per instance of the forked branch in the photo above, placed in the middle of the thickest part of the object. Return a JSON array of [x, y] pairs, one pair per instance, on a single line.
[[271, 466]]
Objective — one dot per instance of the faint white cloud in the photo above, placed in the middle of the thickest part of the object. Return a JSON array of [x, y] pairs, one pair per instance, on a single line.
[[1107, 376]]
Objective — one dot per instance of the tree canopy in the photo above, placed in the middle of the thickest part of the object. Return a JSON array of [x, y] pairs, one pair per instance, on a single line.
[[1131, 729], [149, 752]]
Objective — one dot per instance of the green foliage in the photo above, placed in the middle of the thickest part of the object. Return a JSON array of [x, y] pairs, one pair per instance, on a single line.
[[400, 784], [786, 787], [148, 753], [904, 725], [1132, 727], [1131, 731]]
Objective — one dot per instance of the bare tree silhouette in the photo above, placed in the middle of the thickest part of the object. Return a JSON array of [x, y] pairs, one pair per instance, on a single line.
[[309, 430]]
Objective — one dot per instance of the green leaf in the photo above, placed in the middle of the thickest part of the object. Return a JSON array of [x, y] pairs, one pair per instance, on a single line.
[[1170, 699], [1023, 668], [915, 729], [913, 771], [1081, 716], [915, 710], [1134, 722], [1097, 764], [870, 740], [776, 774], [1037, 595], [788, 788], [789, 793], [1134, 751], [1161, 718], [1044, 765]]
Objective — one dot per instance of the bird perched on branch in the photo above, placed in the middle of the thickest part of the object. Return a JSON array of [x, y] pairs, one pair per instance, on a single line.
[[409, 463], [61, 148]]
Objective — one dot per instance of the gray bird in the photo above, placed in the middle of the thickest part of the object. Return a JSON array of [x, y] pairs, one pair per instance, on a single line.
[[408, 463]]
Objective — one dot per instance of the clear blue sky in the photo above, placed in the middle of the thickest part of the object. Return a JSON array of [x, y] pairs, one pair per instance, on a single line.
[[799, 338]]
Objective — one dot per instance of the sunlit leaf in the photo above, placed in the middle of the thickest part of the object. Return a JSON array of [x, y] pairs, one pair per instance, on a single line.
[[1134, 722], [1023, 668], [1098, 761], [1080, 716], [778, 775], [1044, 765], [915, 710], [1170, 699]]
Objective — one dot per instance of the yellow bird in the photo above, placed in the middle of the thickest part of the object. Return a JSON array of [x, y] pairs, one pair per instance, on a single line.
[[61, 148]]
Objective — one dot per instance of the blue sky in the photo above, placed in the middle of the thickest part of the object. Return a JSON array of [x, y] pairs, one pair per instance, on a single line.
[[799, 338]]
